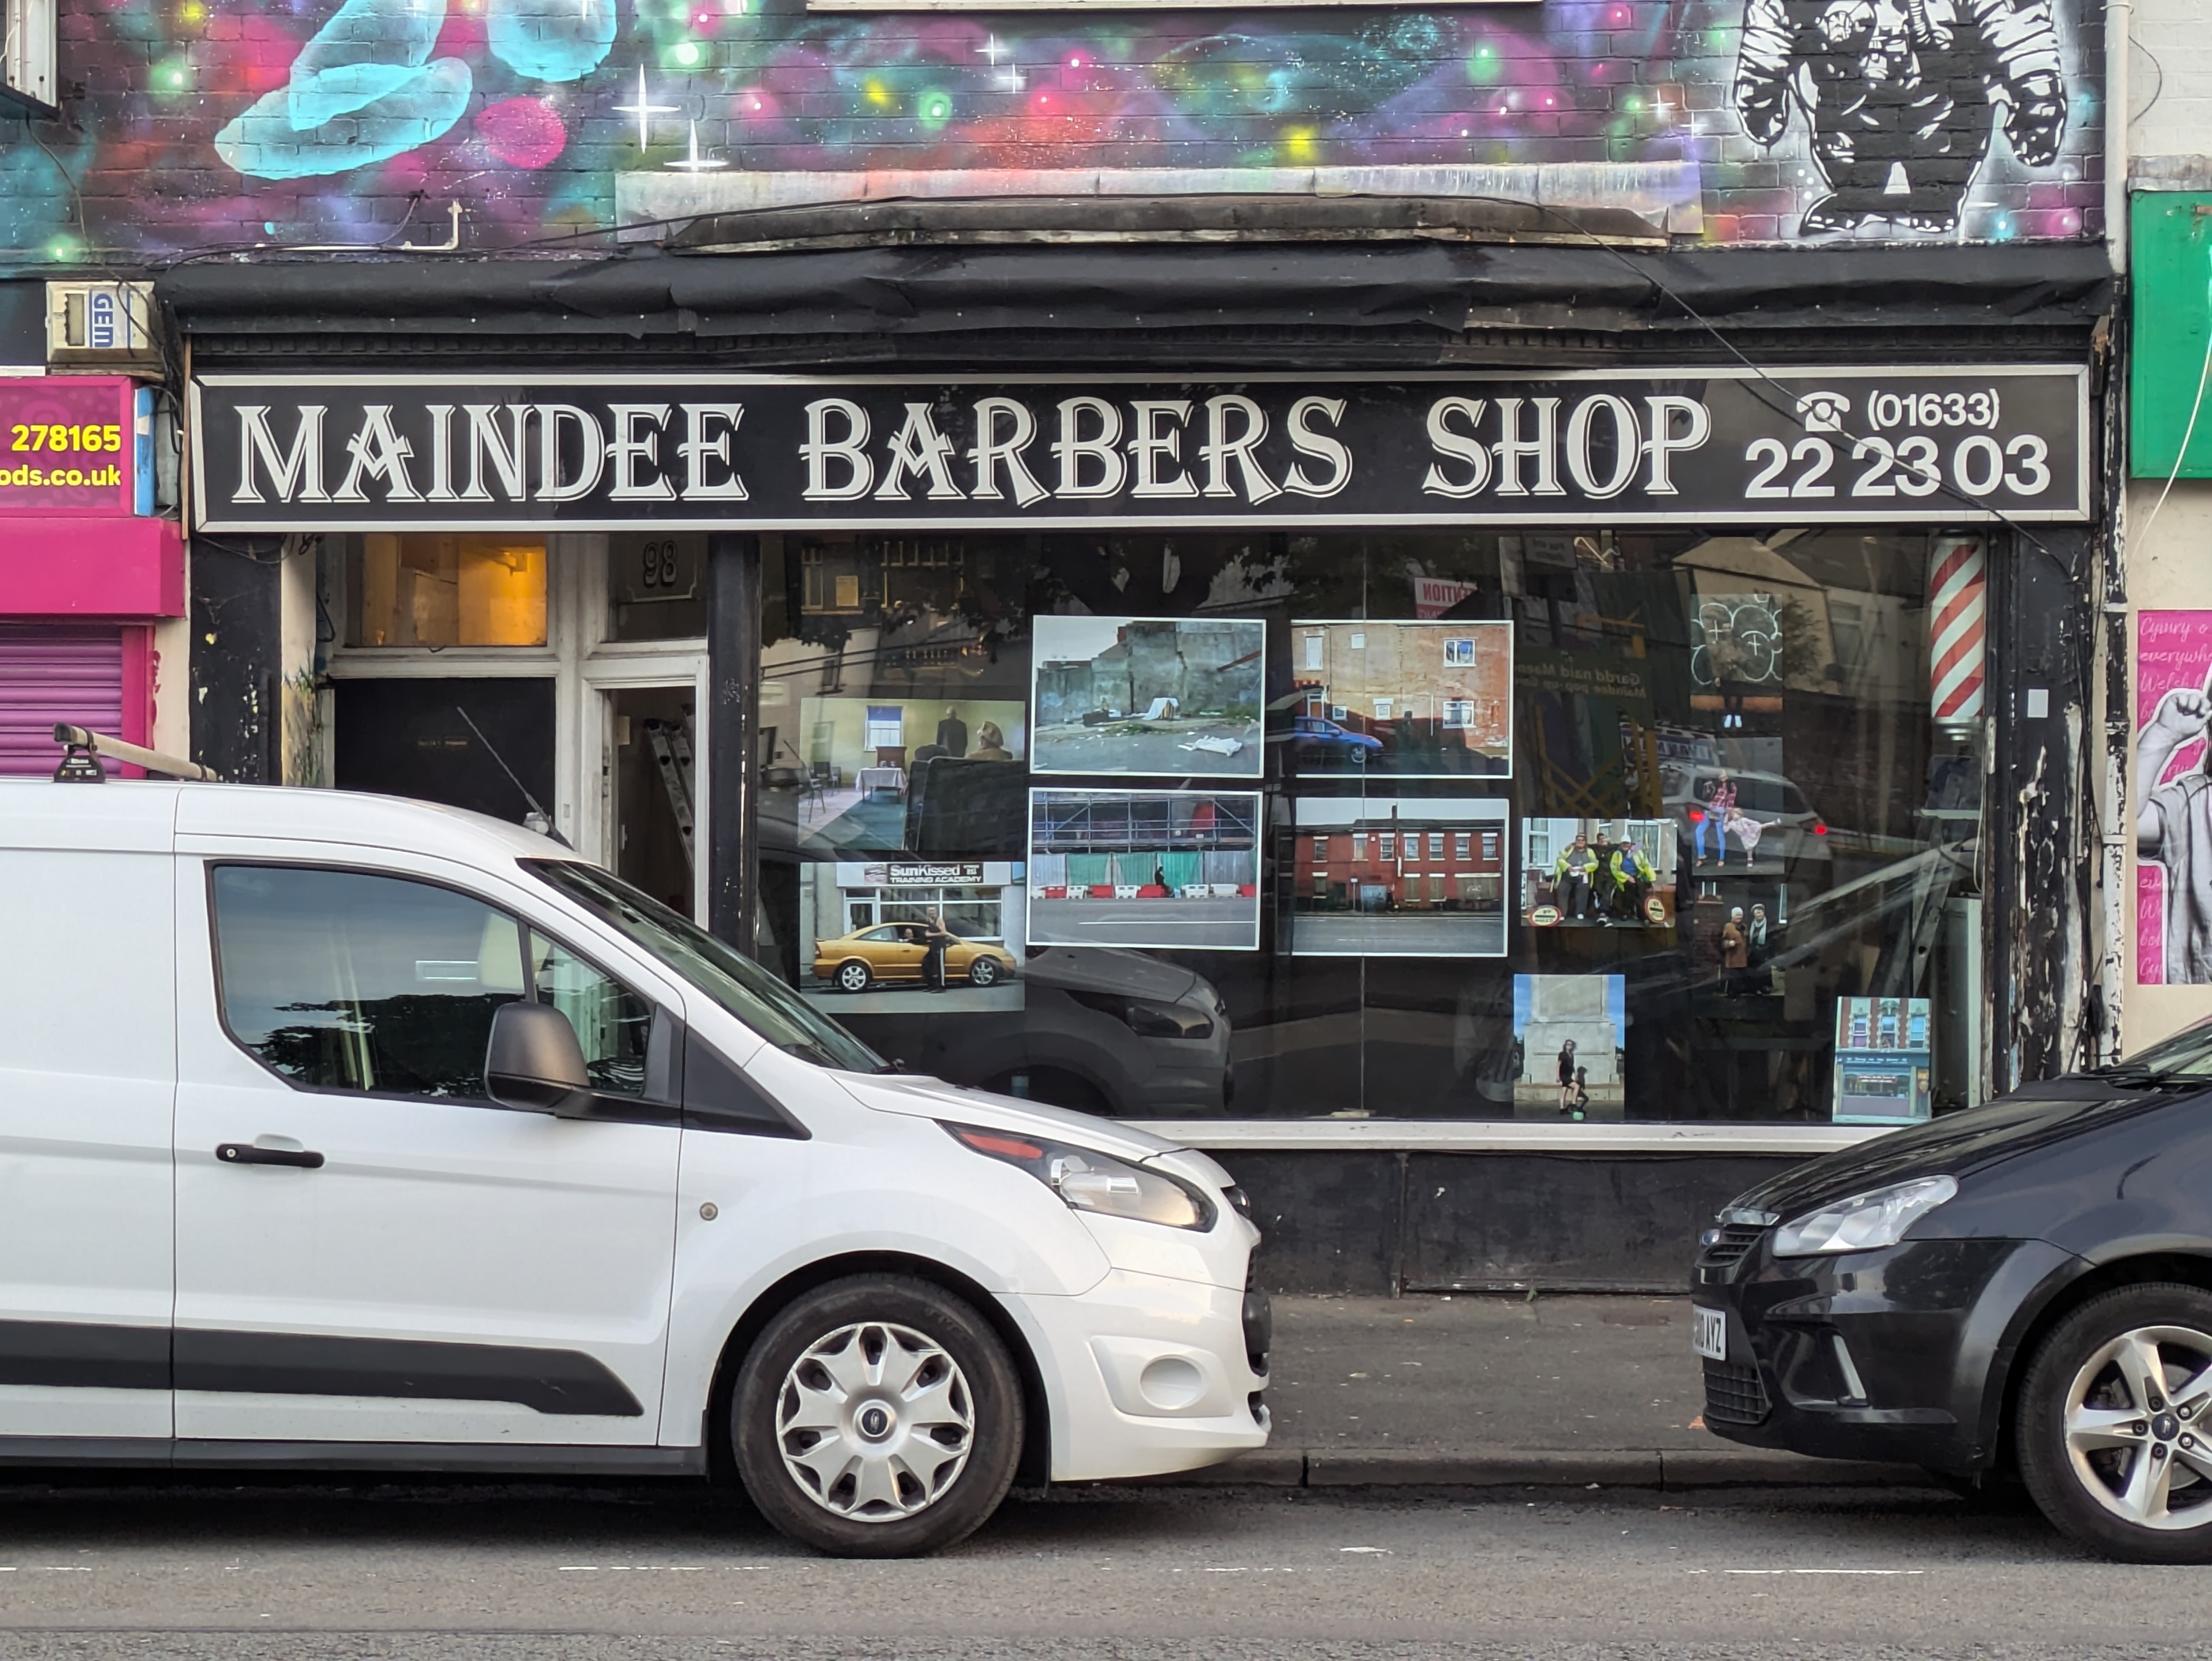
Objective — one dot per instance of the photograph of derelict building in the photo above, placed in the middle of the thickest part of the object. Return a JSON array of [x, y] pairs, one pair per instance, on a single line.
[[1159, 697], [1159, 869]]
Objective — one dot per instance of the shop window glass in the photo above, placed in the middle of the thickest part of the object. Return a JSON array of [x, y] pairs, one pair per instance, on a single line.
[[1695, 814], [423, 589], [343, 981], [657, 585]]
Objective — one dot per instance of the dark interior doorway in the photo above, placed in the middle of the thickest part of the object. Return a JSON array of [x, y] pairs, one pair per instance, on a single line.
[[407, 738], [656, 742]]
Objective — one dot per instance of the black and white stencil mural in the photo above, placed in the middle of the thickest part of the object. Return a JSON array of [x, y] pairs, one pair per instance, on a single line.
[[1900, 98]]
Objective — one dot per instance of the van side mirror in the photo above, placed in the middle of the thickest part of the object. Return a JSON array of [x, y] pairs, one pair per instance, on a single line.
[[533, 1062]]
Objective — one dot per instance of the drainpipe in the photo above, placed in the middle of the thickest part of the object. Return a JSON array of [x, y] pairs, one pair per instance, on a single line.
[[2119, 16], [2109, 792]]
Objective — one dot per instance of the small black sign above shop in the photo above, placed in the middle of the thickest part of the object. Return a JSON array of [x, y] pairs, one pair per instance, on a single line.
[[706, 452]]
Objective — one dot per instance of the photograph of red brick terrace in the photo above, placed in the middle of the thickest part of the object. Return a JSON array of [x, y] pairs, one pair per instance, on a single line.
[[1164, 869], [1407, 878]]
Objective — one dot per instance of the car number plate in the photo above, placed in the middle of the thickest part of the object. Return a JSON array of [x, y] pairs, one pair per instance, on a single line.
[[1709, 1336]]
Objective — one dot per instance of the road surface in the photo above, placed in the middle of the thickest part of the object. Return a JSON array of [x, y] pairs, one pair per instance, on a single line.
[[502, 1573]]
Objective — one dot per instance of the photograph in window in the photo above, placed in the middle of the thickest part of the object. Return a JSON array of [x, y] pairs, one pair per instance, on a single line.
[[1397, 876], [1597, 874], [1174, 870], [1160, 697], [1402, 700]]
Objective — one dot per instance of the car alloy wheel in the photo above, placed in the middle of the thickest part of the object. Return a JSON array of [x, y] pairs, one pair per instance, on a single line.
[[874, 1422], [853, 976], [2113, 1440], [984, 972], [878, 1416]]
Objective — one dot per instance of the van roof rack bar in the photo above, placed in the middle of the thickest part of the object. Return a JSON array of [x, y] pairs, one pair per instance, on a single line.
[[80, 762]]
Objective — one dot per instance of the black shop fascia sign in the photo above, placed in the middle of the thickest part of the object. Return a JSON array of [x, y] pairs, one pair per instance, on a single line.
[[738, 452]]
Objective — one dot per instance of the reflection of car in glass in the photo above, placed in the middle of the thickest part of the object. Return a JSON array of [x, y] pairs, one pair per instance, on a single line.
[[1101, 1029], [1320, 736], [959, 806], [1790, 828], [892, 953]]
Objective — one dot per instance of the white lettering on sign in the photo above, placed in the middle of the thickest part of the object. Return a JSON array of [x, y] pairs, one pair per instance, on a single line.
[[629, 446], [378, 451], [822, 452], [701, 444], [1318, 447], [994, 453], [297, 474], [1470, 464]]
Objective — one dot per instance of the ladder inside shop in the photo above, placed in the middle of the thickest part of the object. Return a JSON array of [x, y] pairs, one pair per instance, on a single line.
[[671, 753]]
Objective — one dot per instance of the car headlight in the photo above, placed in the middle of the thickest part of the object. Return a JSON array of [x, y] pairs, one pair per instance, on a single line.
[[1865, 1222], [1089, 1181]]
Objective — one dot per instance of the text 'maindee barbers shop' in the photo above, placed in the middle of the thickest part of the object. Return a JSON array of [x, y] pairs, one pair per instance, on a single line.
[[1423, 787], [714, 452]]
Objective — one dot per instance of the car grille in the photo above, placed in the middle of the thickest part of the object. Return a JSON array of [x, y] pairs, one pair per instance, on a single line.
[[1734, 1394], [1729, 1246], [1259, 1328]]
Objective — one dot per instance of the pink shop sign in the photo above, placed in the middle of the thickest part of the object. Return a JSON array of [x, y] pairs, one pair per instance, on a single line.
[[2173, 798], [69, 445]]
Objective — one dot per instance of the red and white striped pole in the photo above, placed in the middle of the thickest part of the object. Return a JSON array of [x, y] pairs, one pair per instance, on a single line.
[[1958, 630]]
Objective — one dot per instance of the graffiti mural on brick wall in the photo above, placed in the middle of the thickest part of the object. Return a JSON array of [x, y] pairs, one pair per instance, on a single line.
[[195, 125]]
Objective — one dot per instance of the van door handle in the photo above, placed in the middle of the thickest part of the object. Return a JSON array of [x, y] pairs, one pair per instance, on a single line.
[[247, 1153]]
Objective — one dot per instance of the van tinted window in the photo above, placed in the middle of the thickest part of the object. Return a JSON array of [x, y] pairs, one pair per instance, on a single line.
[[344, 981]]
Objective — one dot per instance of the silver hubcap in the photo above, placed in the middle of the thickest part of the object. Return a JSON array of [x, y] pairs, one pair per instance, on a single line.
[[875, 1422], [2135, 1418]]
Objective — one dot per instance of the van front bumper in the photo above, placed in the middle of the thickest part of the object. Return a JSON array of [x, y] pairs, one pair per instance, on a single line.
[[1147, 1375]]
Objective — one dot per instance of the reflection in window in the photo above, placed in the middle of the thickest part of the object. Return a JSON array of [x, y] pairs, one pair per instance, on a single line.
[[420, 589], [343, 981], [1739, 721], [613, 1024]]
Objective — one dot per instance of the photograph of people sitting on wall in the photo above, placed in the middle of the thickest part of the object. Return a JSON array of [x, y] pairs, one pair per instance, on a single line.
[[1400, 700], [1404, 877], [885, 934], [1568, 1032], [1597, 874], [1164, 869], [867, 759], [1161, 697]]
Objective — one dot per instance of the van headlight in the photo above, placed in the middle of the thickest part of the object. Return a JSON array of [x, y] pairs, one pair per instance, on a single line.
[[1865, 1222], [1091, 1181]]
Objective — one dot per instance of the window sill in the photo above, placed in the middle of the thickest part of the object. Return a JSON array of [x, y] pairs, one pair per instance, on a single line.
[[1508, 1136]]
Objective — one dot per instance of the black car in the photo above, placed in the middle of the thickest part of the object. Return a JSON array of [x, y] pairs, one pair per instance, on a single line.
[[2023, 1289]]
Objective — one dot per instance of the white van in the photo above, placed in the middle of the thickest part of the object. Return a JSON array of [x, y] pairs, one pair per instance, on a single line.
[[341, 1132]]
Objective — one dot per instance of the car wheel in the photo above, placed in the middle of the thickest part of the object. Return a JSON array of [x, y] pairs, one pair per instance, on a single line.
[[984, 972], [853, 977], [878, 1416], [2112, 1435]]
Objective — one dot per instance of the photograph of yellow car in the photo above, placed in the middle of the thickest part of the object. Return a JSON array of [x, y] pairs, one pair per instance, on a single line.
[[897, 953]]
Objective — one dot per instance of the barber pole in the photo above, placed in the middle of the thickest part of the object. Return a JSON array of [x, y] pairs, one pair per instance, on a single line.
[[1958, 631]]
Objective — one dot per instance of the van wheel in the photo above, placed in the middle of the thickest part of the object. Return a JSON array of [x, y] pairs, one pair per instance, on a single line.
[[878, 1416], [984, 972], [853, 976], [2113, 1440]]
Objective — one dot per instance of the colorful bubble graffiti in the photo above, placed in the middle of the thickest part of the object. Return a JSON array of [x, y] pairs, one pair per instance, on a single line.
[[198, 125]]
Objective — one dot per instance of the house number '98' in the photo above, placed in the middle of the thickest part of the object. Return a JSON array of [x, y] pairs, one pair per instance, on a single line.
[[658, 563]]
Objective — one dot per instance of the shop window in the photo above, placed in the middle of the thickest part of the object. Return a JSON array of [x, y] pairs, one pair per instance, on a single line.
[[1040, 741], [657, 587], [447, 590]]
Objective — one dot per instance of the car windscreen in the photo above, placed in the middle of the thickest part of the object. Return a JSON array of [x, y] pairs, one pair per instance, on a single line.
[[732, 980], [2186, 1055]]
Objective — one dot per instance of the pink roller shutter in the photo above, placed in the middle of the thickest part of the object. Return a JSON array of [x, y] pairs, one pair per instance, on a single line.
[[49, 675]]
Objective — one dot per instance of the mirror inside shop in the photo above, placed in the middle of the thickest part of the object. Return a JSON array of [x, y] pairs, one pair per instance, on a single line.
[[1549, 826]]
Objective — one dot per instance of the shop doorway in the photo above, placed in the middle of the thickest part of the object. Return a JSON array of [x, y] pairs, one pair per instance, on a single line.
[[445, 740], [652, 829]]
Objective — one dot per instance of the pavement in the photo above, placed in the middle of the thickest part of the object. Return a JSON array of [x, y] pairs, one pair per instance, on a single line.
[[1477, 1392]]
